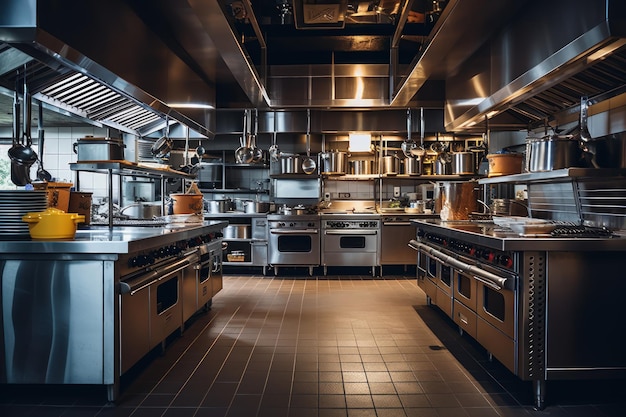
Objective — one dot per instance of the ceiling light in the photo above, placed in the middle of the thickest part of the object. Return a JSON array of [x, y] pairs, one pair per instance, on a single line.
[[190, 106]]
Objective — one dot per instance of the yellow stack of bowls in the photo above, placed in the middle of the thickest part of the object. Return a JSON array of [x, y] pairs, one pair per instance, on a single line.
[[53, 224]]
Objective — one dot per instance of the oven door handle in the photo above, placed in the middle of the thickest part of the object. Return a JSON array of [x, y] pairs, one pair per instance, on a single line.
[[134, 286], [351, 232], [492, 280], [294, 232], [396, 223]]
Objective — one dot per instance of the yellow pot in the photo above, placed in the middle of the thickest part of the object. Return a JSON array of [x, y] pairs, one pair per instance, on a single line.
[[53, 224]]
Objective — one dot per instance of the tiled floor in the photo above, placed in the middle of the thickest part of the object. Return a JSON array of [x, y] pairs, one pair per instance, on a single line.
[[292, 345]]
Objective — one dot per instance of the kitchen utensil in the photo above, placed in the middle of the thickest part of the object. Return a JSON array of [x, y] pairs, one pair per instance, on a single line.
[[251, 206], [244, 154], [462, 163], [142, 210], [408, 143], [53, 224], [257, 153], [553, 152], [42, 174], [390, 165], [92, 148], [362, 167], [504, 163], [455, 200], [217, 206], [162, 147], [200, 151], [187, 203], [20, 153], [308, 165], [273, 149], [334, 162], [412, 165], [419, 151], [584, 134], [290, 164]]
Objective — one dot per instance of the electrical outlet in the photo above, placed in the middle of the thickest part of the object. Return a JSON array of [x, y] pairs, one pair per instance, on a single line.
[[344, 195], [396, 191], [326, 196]]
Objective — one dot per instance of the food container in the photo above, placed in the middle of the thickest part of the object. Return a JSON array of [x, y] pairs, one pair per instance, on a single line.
[[252, 207], [462, 163], [53, 224], [553, 152], [187, 203], [334, 163], [412, 166], [361, 167], [217, 206], [290, 164], [236, 256], [90, 148], [142, 210], [455, 200], [80, 202], [237, 231], [504, 164], [390, 165]]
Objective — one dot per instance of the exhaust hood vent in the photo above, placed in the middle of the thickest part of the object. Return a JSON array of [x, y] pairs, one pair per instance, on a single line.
[[83, 96], [521, 78]]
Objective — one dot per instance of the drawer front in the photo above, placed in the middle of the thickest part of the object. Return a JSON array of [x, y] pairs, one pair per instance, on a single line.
[[465, 318]]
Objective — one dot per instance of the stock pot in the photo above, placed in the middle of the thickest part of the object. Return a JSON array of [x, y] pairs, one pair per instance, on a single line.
[[455, 200], [462, 163], [553, 152], [142, 210], [334, 162]]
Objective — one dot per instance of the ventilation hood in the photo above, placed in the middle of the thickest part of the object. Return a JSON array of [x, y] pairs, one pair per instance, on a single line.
[[540, 65], [99, 61]]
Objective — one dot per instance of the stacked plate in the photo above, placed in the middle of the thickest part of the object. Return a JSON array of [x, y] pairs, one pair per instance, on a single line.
[[13, 205]]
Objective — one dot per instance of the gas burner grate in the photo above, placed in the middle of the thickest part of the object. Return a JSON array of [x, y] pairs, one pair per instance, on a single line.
[[580, 231]]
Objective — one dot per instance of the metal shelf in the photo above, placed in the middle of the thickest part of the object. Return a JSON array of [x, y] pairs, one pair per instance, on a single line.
[[127, 168], [556, 175]]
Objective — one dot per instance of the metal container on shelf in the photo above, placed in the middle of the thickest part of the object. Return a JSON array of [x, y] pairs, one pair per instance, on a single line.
[[553, 152], [413, 166], [90, 148], [463, 163], [237, 231], [334, 162], [290, 164], [361, 167]]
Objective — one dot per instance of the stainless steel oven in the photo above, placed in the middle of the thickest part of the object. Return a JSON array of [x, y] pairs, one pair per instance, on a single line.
[[294, 240], [351, 241]]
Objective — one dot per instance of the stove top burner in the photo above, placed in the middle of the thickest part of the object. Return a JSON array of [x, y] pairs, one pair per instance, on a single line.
[[580, 231]]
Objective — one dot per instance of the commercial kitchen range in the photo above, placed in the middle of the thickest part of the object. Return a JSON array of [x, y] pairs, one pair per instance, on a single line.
[[545, 307], [83, 311]]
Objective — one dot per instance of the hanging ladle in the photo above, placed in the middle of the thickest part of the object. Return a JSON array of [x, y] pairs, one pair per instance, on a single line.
[[308, 165], [408, 144], [23, 155], [42, 174], [273, 150], [419, 151]]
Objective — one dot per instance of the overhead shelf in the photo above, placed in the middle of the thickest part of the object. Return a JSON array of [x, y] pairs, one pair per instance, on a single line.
[[556, 175], [129, 169]]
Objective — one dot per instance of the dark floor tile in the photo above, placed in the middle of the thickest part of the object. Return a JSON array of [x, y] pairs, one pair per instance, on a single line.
[[332, 401]]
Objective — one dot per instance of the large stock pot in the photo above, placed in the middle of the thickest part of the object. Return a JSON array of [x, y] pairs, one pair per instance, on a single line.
[[455, 200]]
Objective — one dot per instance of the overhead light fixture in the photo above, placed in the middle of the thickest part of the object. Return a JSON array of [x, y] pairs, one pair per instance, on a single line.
[[190, 106], [360, 142]]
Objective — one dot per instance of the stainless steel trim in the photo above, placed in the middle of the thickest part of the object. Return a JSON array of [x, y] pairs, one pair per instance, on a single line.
[[294, 232], [351, 232], [397, 223]]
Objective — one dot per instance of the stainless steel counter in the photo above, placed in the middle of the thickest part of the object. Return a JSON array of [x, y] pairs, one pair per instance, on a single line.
[[102, 240], [490, 235]]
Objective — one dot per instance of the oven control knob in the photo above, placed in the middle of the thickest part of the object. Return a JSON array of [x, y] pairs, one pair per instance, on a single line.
[[281, 224], [421, 233], [471, 250], [292, 224], [506, 261], [488, 255], [132, 262], [154, 254], [311, 224]]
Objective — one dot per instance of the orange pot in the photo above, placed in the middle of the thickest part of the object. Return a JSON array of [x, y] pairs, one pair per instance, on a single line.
[[505, 163], [187, 203]]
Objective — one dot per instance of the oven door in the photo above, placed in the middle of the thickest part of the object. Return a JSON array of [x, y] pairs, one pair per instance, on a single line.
[[350, 247], [294, 247]]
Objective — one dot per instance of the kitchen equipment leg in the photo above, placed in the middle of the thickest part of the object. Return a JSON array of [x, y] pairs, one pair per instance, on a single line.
[[275, 271], [310, 271], [539, 389]]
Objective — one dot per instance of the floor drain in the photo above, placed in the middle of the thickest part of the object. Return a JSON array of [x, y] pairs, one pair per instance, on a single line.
[[437, 347]]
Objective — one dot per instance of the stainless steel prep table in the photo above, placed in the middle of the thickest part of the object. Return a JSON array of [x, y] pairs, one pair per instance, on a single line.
[[60, 316]]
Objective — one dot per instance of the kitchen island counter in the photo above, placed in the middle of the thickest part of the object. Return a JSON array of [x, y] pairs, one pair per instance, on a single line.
[[102, 240]]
